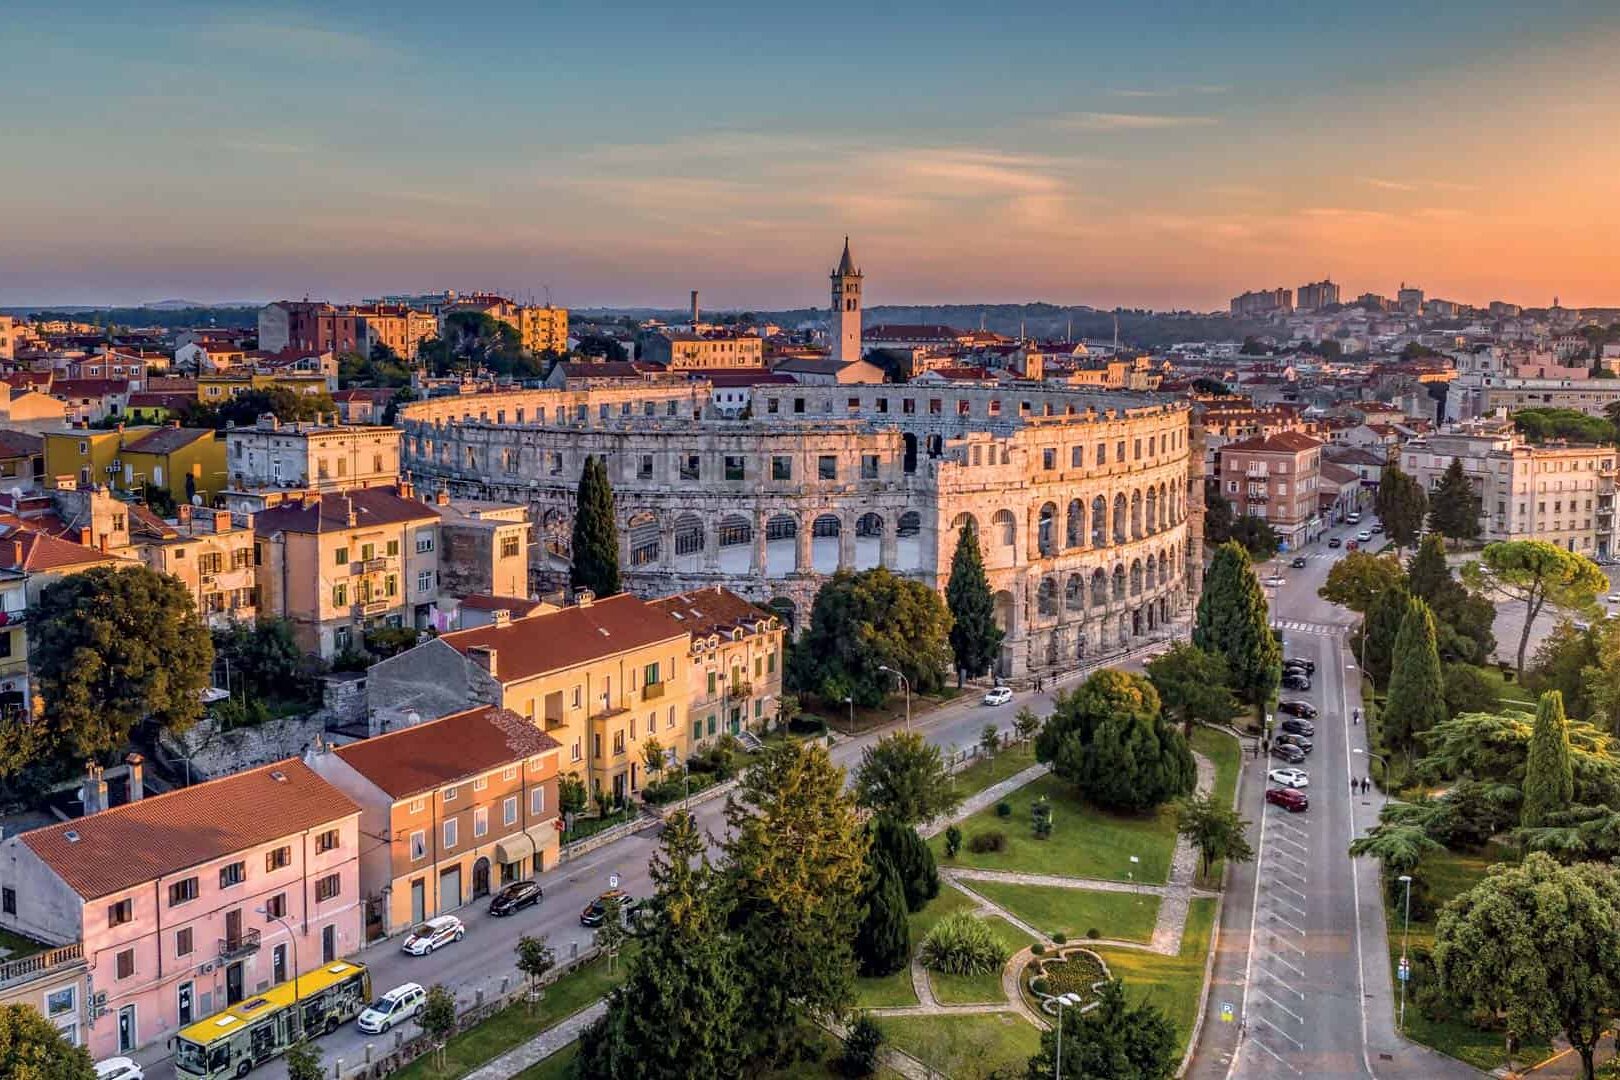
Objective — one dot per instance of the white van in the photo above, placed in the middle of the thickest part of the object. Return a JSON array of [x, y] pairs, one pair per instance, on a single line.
[[398, 1005]]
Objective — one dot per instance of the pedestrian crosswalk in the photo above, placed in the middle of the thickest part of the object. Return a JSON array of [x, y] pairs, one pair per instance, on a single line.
[[1305, 627]]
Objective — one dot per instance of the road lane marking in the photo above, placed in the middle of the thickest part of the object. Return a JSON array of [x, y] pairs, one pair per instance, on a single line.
[[1278, 918], [1295, 874], [1280, 1059], [1287, 965], [1285, 985], [1278, 939], [1293, 842], [1302, 912], [1273, 1026], [1289, 855], [1290, 888], [1297, 1018], [1254, 925]]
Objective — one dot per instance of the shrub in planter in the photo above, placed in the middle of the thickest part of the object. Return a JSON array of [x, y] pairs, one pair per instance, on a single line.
[[1038, 949], [1038, 985], [1003, 808], [987, 841], [962, 944]]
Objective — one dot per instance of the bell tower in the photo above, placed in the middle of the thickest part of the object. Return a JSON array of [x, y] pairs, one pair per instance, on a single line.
[[846, 309]]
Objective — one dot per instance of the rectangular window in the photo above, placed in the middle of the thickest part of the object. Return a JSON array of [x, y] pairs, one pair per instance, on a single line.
[[511, 546], [1075, 455], [644, 467], [1119, 450], [418, 805], [8, 901], [182, 892], [125, 964], [340, 595], [393, 548], [869, 466], [781, 467], [650, 675], [450, 794], [734, 467], [691, 467], [1049, 458], [275, 860], [480, 783], [368, 552], [120, 913], [537, 801], [276, 907], [340, 557], [509, 810], [418, 845], [480, 821], [326, 841], [328, 887], [424, 542], [232, 874], [424, 581], [697, 729], [450, 833], [827, 467]]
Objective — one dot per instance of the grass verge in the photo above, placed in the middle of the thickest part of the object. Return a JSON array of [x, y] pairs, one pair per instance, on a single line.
[[965, 1045], [987, 772], [1053, 909], [897, 989], [1173, 983], [979, 989]]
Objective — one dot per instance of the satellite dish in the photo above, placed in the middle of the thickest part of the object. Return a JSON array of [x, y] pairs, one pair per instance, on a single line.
[[196, 500], [16, 492]]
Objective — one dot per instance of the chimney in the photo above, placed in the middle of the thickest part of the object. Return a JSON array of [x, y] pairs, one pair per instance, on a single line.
[[222, 521], [584, 598], [17, 553], [443, 497], [137, 778], [694, 307], [407, 490], [93, 792], [84, 536], [486, 658], [182, 513], [501, 617], [353, 517]]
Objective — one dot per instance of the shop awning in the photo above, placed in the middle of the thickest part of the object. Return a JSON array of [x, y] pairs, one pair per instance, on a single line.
[[516, 848]]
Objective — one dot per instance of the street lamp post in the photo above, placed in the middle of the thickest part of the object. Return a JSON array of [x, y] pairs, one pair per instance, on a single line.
[[1405, 968], [905, 682], [1382, 761], [298, 1017], [1070, 1000], [850, 701]]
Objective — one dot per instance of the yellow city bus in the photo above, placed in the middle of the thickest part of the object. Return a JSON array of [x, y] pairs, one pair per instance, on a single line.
[[253, 1031]]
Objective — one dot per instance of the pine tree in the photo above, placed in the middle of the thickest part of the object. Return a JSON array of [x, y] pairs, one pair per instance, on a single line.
[[910, 857], [1454, 508], [975, 637], [1417, 689], [1427, 574], [1234, 624], [1463, 619], [883, 942], [1379, 628], [1401, 504], [596, 532], [1549, 772]]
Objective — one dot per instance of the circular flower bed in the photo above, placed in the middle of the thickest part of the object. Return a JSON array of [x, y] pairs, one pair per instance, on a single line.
[[1075, 971]]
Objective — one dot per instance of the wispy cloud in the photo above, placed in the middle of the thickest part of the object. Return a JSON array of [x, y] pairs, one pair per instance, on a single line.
[[1166, 91], [1387, 185], [1384, 184], [289, 38], [1108, 121]]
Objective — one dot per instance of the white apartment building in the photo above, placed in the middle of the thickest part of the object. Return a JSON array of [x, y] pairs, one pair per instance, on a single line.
[[267, 462]]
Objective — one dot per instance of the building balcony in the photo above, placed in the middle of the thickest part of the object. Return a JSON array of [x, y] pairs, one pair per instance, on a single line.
[[40, 964], [740, 689], [13, 618], [234, 948], [653, 691], [373, 566], [374, 607]]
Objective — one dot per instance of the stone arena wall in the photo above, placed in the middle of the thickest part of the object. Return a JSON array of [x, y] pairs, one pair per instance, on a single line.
[[1088, 504]]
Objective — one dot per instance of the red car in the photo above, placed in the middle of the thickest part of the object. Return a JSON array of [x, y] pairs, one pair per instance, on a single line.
[[1290, 799], [1352, 546]]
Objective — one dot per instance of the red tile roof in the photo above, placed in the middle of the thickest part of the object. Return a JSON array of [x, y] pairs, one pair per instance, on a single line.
[[26, 549], [702, 612], [88, 388], [143, 841], [1280, 442], [562, 639], [457, 747], [20, 444], [330, 512]]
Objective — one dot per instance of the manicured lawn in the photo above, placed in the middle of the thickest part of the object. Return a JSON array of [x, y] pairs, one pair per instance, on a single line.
[[514, 1025], [1056, 910], [559, 1066], [986, 772], [966, 1046], [1222, 748], [974, 989], [1085, 841], [1509, 692], [590, 826], [1173, 983], [897, 989]]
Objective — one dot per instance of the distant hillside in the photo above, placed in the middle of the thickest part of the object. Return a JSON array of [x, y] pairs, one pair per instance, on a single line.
[[170, 317]]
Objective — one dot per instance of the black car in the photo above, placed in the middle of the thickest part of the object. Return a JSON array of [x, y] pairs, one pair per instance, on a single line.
[[1298, 562], [1295, 726], [1309, 666], [1297, 708], [596, 910], [515, 897], [1295, 680], [1287, 752], [1334, 542], [1288, 738]]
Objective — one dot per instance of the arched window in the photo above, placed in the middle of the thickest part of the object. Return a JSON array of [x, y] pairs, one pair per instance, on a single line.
[[1047, 531], [1119, 583], [688, 535], [1075, 533], [1099, 588], [963, 521], [1136, 515], [1099, 521], [1153, 510], [1006, 527], [1152, 572], [1046, 597], [644, 538], [1074, 593], [1120, 510], [1136, 577]]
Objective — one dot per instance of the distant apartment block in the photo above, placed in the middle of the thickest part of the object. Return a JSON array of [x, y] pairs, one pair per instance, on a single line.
[[1317, 295], [1263, 304], [540, 329], [1409, 299], [684, 350], [1274, 477], [271, 459]]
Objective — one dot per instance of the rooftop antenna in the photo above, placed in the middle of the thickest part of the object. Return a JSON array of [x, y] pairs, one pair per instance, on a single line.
[[548, 294], [1116, 331], [1068, 335]]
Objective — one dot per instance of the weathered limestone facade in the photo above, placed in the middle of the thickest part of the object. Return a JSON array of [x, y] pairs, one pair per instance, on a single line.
[[1088, 505]]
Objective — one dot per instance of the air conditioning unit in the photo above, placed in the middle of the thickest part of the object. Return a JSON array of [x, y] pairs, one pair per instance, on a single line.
[[118, 463], [208, 967], [109, 470]]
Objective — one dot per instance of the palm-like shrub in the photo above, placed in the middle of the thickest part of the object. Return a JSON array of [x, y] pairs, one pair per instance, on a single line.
[[962, 944]]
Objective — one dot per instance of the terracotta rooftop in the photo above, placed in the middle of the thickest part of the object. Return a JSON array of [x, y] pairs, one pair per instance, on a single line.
[[166, 440], [20, 444], [142, 841], [26, 549], [702, 612], [1279, 442], [456, 747], [88, 388], [519, 606], [330, 512], [555, 640]]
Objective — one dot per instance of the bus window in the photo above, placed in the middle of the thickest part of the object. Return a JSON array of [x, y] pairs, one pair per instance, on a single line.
[[191, 1057], [220, 1059]]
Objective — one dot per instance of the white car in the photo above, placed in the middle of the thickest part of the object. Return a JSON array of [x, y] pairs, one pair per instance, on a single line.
[[433, 934], [1363, 536], [1276, 581], [998, 695], [398, 1005], [1614, 598], [1295, 778], [118, 1068]]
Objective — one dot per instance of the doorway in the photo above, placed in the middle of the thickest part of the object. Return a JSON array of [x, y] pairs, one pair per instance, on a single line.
[[418, 901], [480, 883], [233, 983], [185, 1002], [328, 943], [233, 928], [450, 889], [127, 1039], [278, 965]]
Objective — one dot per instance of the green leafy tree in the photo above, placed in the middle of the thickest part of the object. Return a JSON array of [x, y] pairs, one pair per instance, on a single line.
[[861, 623], [1109, 739], [883, 941], [1233, 623], [1359, 579], [975, 638], [1026, 724], [1215, 829], [1540, 425], [535, 959], [1575, 834], [1379, 629], [1192, 686], [1453, 507], [1495, 748], [33, 1048], [571, 795], [900, 846], [285, 404], [989, 740], [652, 756], [1463, 619], [1467, 690], [680, 1011], [1116, 1039], [1562, 661], [437, 1019], [904, 777], [795, 867], [1417, 692], [861, 1048], [1549, 773], [602, 347], [596, 532], [1534, 944], [1600, 680], [1219, 516], [1538, 575], [303, 1061], [611, 935], [264, 661], [1257, 536], [1401, 504], [109, 648]]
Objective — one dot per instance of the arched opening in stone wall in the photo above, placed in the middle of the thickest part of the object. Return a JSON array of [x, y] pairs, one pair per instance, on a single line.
[[1136, 577], [908, 463], [1152, 510], [1164, 508], [1164, 568], [962, 521], [1099, 588], [1054, 645], [781, 545], [1074, 593], [1099, 522], [1006, 527], [908, 541], [688, 542], [1152, 572], [825, 533], [1119, 582], [1080, 645], [557, 534], [1046, 530], [1136, 515], [735, 539], [1003, 601], [644, 537], [1046, 597], [1120, 510], [936, 446], [1074, 534], [785, 610], [1136, 624], [868, 541]]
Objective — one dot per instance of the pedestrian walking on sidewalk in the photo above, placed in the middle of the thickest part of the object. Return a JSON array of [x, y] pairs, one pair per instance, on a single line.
[[1357, 716], [1355, 786]]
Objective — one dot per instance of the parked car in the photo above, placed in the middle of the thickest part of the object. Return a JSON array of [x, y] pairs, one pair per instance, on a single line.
[[1285, 752], [1364, 535], [395, 1007], [1352, 546], [1378, 530], [1297, 562], [1614, 598], [434, 934], [1334, 541], [1353, 517], [1290, 799], [596, 910], [1296, 681], [1295, 726], [1297, 708], [1288, 738], [1293, 778], [119, 1068], [1301, 662], [515, 897], [998, 695]]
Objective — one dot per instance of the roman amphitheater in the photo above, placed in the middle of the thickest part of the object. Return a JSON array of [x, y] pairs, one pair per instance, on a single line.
[[1088, 505]]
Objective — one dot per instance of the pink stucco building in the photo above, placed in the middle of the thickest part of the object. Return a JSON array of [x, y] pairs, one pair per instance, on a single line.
[[189, 901]]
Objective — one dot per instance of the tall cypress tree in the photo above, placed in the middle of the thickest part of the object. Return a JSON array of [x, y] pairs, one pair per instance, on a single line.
[[1233, 623], [975, 637], [883, 941], [1454, 508], [909, 855], [596, 533], [1417, 687], [1380, 627], [1549, 772]]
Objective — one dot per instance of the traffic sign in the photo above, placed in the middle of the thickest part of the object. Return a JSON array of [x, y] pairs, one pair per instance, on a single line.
[[613, 881], [1227, 1012]]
